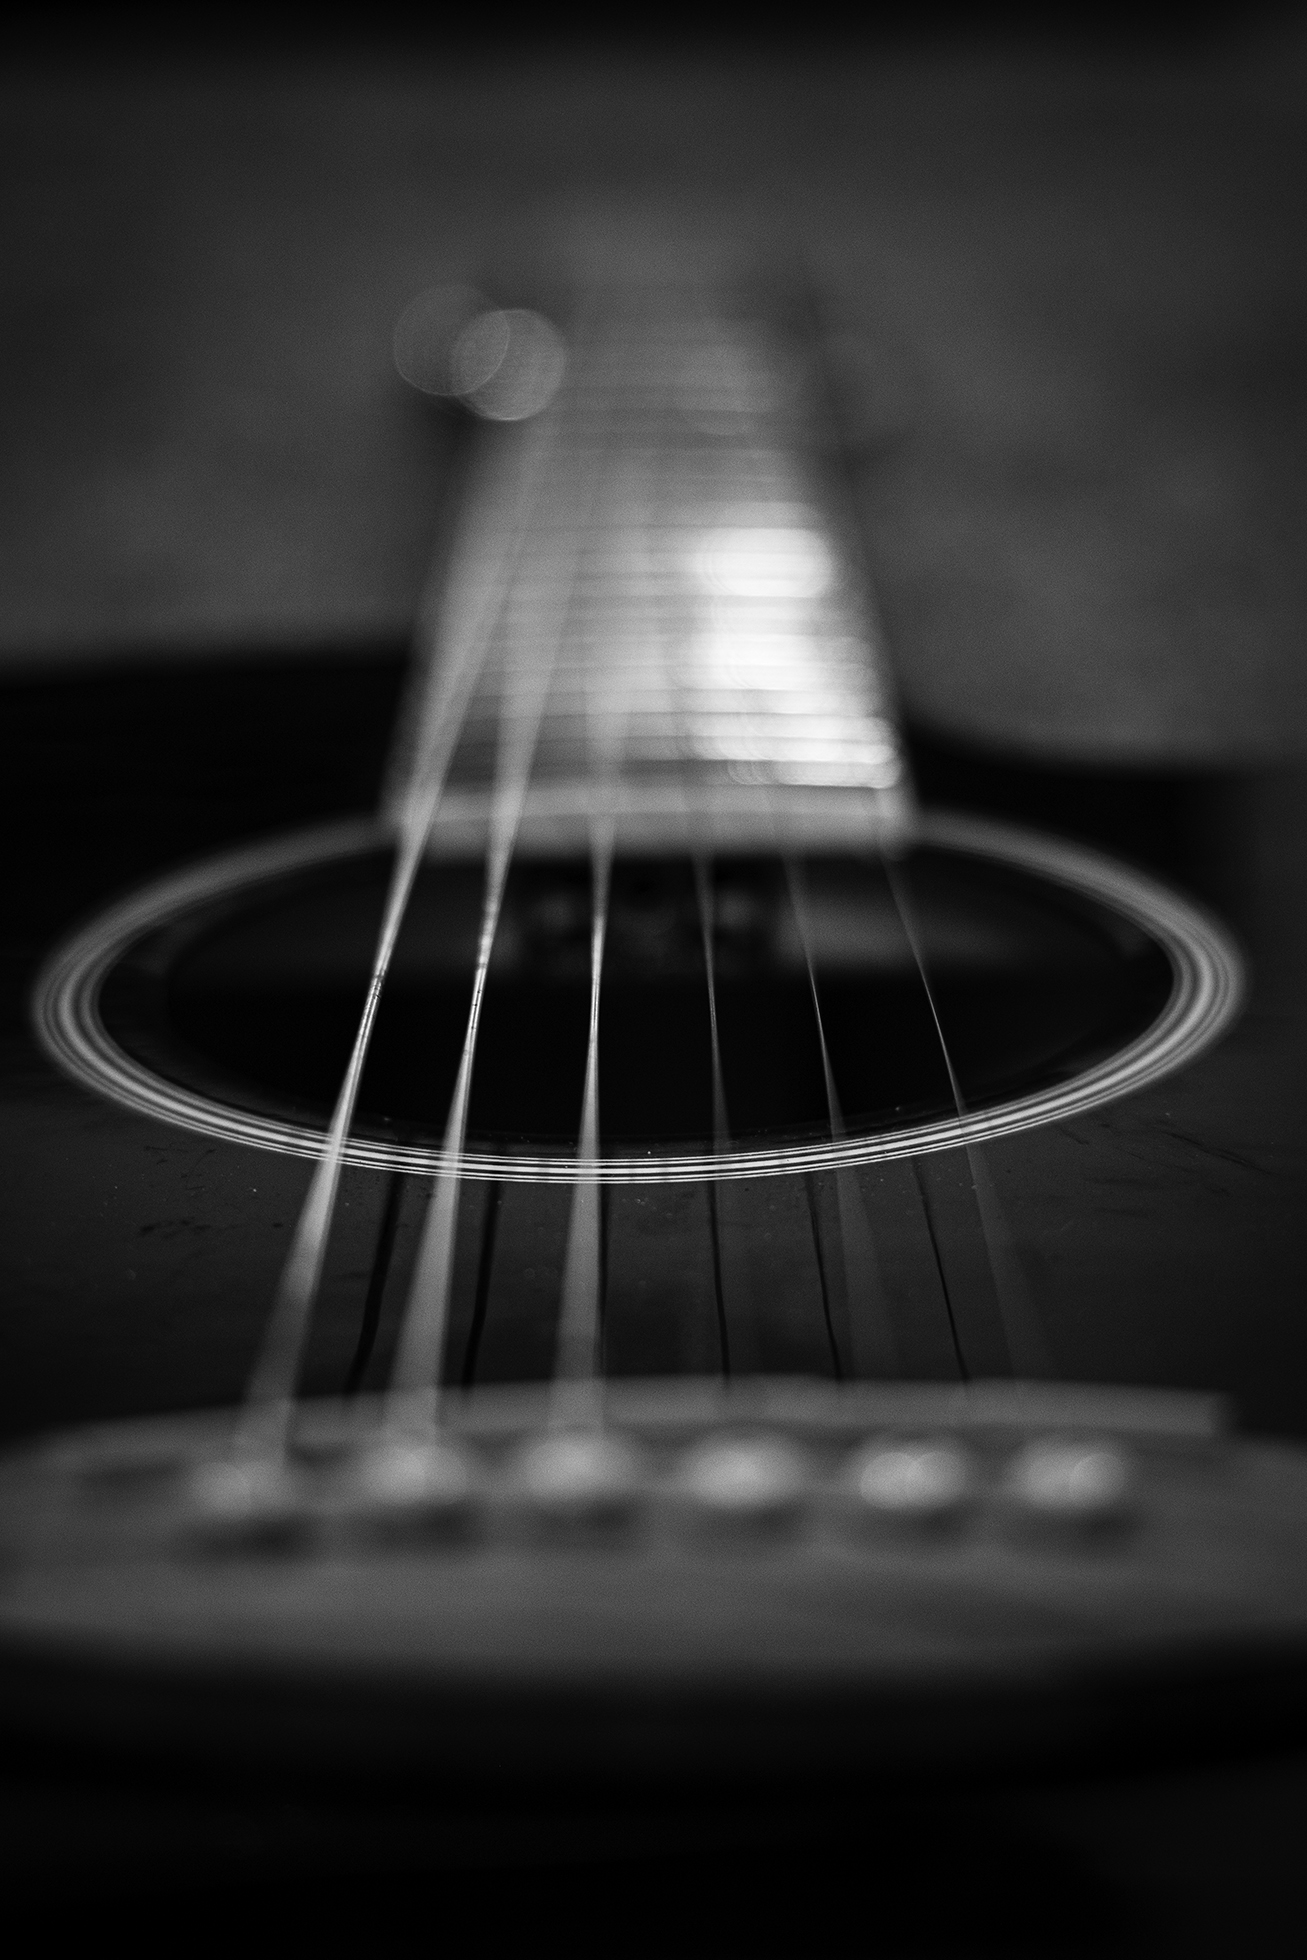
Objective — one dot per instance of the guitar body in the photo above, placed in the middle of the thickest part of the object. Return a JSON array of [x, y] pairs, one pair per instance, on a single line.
[[1156, 1236]]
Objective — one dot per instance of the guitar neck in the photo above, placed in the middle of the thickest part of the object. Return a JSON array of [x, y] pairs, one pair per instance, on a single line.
[[663, 588]]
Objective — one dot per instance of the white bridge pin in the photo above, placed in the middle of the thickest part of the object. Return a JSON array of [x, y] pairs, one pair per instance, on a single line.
[[913, 1484], [1069, 1486], [245, 1503], [746, 1483], [406, 1483], [577, 1478]]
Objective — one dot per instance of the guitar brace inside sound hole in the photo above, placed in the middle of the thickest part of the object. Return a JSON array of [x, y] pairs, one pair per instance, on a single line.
[[226, 1000]]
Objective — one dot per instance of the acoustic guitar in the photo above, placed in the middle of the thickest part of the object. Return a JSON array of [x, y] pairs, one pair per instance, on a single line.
[[723, 1217]]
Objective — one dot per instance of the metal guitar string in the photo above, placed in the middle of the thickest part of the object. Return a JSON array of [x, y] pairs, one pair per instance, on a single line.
[[869, 1328], [577, 1399], [746, 455], [1024, 1339], [524, 685], [871, 1332], [706, 901], [676, 695], [721, 1136], [673, 673], [1027, 1347], [577, 1396], [459, 619]]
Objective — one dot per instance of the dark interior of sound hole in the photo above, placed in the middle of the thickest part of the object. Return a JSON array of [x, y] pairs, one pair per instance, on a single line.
[[256, 1000]]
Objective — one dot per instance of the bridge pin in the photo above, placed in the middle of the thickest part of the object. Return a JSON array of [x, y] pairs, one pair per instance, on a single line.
[[577, 1480], [1069, 1487], [758, 1483], [239, 1504], [915, 1485], [406, 1483]]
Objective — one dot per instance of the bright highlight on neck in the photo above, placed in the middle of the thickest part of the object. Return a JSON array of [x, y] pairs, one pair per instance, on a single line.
[[765, 562]]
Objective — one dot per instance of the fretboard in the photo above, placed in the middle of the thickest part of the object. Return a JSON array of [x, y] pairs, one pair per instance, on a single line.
[[664, 587]]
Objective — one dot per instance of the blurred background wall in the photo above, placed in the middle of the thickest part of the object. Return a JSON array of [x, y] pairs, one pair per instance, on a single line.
[[1074, 248]]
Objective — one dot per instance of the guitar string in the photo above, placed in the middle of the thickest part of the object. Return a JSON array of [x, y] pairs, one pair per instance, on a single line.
[[577, 1397], [1022, 1333], [412, 1398], [749, 458], [481, 1290], [416, 1363], [580, 1306], [745, 1348], [576, 1401], [701, 863], [578, 1331], [460, 616], [838, 1369], [870, 1331], [749, 454], [848, 1198], [862, 1274], [579, 1316], [950, 1312], [677, 695], [704, 894], [377, 1278], [415, 1378]]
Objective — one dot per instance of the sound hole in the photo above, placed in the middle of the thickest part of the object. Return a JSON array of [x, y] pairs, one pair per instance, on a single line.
[[253, 998]]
